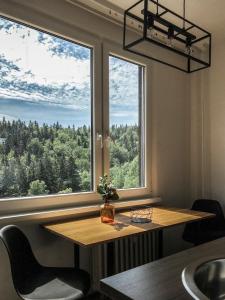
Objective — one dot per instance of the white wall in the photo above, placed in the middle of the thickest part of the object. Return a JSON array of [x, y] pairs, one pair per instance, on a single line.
[[170, 135], [213, 98], [208, 127]]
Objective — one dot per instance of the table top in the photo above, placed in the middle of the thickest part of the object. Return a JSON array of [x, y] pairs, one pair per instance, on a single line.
[[161, 279], [90, 231]]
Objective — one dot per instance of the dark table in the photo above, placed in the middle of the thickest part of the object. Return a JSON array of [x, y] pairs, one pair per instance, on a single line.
[[161, 279]]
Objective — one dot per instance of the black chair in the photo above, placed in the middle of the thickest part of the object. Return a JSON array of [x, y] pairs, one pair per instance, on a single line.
[[209, 229], [34, 281]]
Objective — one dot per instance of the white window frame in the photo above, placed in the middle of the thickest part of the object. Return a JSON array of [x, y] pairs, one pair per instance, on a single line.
[[64, 31], [101, 50], [110, 48]]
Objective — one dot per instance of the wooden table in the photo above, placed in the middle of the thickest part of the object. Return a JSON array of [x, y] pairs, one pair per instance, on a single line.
[[90, 231]]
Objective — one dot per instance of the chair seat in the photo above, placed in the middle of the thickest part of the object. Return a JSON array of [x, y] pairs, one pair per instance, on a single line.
[[203, 237], [55, 284]]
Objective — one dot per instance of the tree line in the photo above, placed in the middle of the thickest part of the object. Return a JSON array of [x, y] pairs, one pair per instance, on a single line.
[[48, 159]]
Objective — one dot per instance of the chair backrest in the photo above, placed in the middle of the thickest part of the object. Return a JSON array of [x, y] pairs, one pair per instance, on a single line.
[[22, 260], [208, 205], [208, 225], [211, 206]]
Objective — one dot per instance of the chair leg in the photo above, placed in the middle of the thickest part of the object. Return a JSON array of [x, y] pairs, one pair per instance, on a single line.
[[103, 297], [76, 256]]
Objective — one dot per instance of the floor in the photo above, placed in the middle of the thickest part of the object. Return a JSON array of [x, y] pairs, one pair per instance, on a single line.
[[97, 296]]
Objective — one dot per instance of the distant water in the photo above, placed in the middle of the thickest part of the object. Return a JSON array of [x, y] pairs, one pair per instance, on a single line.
[[42, 113], [14, 109]]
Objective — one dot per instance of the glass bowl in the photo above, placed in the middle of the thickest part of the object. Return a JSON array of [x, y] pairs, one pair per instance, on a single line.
[[141, 215]]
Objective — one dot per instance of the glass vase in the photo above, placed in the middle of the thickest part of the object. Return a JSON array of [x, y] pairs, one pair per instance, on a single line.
[[107, 213]]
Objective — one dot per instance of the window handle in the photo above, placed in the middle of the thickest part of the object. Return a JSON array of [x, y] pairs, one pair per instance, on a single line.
[[100, 139], [107, 141]]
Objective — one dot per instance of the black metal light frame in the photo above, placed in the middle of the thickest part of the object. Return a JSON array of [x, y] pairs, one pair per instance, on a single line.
[[180, 34]]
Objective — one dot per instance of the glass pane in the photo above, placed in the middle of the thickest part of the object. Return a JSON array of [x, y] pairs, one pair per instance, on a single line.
[[45, 113], [125, 106]]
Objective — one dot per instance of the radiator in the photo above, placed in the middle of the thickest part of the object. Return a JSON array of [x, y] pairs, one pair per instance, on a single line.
[[128, 253]]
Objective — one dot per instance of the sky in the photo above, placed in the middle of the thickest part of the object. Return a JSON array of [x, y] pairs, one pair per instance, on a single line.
[[48, 79]]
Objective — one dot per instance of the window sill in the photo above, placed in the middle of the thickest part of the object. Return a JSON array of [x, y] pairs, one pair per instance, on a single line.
[[51, 215]]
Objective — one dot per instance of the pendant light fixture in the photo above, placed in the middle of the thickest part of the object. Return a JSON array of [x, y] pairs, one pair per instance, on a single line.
[[166, 37]]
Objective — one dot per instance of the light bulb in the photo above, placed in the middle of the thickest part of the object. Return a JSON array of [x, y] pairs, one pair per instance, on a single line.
[[151, 31], [170, 42], [188, 50]]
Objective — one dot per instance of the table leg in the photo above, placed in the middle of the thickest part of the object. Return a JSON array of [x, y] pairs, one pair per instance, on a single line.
[[160, 244], [76, 256], [110, 258]]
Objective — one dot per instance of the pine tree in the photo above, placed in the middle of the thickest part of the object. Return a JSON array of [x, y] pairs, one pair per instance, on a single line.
[[73, 175], [21, 178]]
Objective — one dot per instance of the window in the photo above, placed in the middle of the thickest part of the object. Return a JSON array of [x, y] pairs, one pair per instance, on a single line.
[[58, 133], [126, 123], [45, 113]]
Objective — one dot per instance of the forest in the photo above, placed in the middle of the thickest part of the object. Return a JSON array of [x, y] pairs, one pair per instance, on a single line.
[[49, 159]]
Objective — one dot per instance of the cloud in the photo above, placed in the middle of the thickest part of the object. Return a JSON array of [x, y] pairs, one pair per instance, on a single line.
[[124, 81], [125, 113], [40, 68], [20, 84], [6, 66], [63, 48], [8, 25]]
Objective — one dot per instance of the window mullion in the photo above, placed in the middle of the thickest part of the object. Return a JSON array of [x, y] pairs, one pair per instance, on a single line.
[[105, 111], [97, 115]]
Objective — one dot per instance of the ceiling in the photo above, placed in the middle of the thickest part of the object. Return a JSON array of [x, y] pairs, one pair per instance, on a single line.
[[209, 14]]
